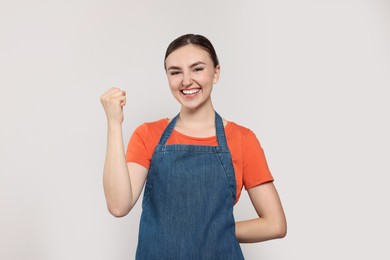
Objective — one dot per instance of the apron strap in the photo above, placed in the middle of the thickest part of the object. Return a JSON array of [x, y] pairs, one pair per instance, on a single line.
[[168, 131], [220, 131]]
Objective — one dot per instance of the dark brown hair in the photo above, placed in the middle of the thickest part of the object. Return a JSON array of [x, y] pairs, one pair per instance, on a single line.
[[194, 39]]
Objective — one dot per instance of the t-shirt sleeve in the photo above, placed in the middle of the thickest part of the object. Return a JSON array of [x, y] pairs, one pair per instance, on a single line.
[[255, 165], [137, 150]]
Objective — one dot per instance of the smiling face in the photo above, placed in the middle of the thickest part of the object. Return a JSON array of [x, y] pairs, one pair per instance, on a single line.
[[191, 76]]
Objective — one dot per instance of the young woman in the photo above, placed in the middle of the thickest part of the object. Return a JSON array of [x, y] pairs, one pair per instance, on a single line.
[[194, 167]]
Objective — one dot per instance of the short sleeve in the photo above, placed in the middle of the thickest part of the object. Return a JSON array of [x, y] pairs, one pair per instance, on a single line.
[[137, 149], [255, 167]]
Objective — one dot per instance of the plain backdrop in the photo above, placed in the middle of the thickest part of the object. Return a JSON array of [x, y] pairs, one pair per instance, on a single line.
[[310, 78]]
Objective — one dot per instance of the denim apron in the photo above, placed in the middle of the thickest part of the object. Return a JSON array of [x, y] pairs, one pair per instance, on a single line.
[[187, 208]]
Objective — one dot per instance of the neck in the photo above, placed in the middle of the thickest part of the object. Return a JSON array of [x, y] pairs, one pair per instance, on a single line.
[[204, 115]]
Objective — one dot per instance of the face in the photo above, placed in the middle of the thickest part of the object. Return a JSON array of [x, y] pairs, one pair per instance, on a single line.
[[191, 76]]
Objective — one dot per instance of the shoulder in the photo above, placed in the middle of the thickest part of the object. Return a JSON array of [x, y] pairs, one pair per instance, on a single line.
[[240, 133], [151, 128], [236, 130], [153, 125]]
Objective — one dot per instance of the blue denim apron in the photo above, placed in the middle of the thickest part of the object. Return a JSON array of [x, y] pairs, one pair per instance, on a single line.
[[188, 202]]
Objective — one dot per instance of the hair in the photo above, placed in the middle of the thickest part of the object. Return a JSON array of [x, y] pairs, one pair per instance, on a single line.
[[195, 39]]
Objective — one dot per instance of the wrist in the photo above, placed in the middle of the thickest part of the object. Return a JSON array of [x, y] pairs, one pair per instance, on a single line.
[[114, 126]]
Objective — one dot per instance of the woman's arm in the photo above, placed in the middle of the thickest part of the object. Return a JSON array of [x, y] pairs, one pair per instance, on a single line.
[[122, 181], [271, 222]]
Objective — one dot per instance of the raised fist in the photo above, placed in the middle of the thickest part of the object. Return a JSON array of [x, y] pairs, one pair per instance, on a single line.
[[113, 101]]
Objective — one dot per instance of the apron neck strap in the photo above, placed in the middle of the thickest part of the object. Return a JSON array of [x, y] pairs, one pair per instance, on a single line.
[[220, 131]]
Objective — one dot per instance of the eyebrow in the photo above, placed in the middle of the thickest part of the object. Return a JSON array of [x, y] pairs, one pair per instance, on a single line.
[[191, 66]]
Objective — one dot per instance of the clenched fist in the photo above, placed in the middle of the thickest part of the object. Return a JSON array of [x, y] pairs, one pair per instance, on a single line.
[[113, 101]]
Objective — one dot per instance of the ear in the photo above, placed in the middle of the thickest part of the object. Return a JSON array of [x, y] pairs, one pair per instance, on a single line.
[[217, 71]]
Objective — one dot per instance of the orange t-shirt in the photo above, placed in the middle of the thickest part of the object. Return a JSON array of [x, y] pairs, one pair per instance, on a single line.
[[249, 162]]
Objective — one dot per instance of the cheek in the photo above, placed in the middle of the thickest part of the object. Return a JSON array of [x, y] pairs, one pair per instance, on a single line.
[[206, 80], [174, 83]]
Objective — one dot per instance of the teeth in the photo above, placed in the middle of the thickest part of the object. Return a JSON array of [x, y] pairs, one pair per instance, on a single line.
[[190, 91]]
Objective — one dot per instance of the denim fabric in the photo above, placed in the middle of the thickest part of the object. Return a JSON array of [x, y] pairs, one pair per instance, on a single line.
[[188, 202]]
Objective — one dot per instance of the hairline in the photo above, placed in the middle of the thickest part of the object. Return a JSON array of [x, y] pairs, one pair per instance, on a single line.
[[188, 42]]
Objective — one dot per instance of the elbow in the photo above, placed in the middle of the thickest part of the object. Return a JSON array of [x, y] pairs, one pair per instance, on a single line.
[[118, 208], [118, 212], [280, 230]]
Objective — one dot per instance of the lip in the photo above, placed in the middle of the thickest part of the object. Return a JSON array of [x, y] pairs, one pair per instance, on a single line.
[[189, 96], [189, 89]]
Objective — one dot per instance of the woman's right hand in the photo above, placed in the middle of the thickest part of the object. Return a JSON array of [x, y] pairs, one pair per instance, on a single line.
[[113, 101]]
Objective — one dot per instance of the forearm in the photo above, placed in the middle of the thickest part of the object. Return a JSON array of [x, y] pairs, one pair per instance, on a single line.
[[116, 179], [259, 229]]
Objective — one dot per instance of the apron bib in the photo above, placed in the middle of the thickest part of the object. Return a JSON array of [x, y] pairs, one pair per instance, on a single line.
[[187, 208]]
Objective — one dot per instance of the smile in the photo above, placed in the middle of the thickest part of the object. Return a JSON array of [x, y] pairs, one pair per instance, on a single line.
[[190, 91]]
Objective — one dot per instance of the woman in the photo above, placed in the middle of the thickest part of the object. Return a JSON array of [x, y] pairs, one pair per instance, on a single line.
[[194, 167]]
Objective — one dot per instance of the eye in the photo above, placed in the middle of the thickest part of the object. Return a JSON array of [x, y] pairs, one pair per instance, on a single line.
[[173, 73], [198, 69]]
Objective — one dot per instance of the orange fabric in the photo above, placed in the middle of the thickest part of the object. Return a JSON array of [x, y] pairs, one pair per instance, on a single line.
[[249, 161]]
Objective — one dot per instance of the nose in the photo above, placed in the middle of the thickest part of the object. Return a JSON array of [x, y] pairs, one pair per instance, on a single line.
[[187, 79]]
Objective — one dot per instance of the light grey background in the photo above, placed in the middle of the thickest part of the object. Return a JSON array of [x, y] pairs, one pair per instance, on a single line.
[[310, 78]]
